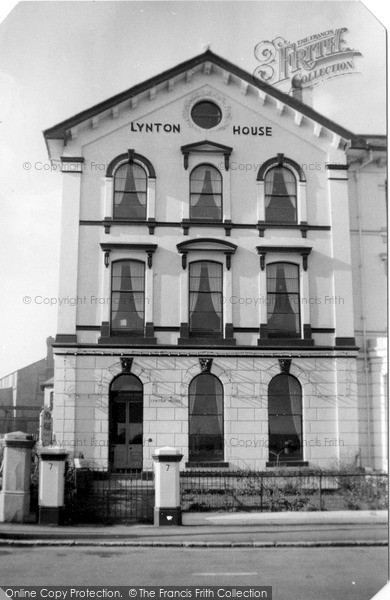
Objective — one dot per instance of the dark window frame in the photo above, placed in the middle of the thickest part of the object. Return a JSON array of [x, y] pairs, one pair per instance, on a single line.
[[127, 331], [287, 450], [285, 333], [196, 333], [199, 120], [293, 221], [194, 456], [220, 195], [118, 167]]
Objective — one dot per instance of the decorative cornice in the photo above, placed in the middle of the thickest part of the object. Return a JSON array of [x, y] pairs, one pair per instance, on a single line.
[[150, 249], [215, 245], [206, 147], [304, 251]]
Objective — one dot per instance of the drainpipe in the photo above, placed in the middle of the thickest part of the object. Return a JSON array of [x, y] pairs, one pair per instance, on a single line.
[[363, 315]]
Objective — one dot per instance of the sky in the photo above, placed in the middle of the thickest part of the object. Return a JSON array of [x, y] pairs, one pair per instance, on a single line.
[[59, 58]]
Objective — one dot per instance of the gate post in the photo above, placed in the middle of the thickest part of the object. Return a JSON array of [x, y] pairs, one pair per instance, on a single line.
[[167, 509], [51, 485], [15, 495]]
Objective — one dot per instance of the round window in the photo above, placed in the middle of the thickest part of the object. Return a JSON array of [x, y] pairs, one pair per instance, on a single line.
[[206, 114]]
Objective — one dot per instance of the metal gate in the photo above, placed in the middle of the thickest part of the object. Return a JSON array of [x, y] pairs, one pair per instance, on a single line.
[[106, 497]]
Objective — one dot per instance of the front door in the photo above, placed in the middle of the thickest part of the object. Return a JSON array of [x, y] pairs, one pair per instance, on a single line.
[[126, 429]]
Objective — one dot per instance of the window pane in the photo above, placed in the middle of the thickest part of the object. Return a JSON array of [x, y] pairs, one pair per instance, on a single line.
[[205, 298], [205, 419], [285, 418], [283, 300], [126, 383], [130, 191], [206, 114], [128, 297], [206, 193], [280, 196]]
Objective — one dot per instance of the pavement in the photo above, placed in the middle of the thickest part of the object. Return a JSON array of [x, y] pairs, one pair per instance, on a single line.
[[286, 529]]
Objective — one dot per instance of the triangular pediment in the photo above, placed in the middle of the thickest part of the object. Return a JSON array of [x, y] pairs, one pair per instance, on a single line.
[[206, 146], [205, 65]]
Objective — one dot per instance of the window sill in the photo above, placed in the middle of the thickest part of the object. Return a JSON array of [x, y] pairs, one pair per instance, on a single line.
[[207, 465], [263, 225], [127, 340], [291, 463], [285, 342], [109, 221], [206, 341]]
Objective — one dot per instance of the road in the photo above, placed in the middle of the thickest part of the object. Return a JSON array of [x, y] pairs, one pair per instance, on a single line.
[[286, 533], [295, 573]]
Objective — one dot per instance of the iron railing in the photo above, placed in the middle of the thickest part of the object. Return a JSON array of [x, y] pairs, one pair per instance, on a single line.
[[275, 492], [101, 496]]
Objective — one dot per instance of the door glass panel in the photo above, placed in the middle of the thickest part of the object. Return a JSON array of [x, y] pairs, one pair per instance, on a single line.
[[126, 423]]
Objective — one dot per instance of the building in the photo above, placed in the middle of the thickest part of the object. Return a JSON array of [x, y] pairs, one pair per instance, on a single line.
[[22, 395], [210, 278]]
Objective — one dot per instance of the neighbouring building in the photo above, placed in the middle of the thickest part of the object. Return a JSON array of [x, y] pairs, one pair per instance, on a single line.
[[222, 278], [22, 395]]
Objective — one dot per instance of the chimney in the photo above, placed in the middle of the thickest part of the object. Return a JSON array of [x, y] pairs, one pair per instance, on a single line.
[[49, 358], [303, 94]]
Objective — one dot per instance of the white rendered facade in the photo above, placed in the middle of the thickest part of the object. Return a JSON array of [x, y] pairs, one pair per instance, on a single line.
[[151, 127]]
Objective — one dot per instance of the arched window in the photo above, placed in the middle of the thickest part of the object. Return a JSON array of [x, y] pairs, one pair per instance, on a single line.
[[280, 196], [205, 419], [285, 419], [126, 423], [130, 192], [128, 297], [206, 194], [205, 299], [283, 300]]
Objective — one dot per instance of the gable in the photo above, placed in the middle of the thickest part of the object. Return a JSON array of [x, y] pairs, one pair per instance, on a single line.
[[196, 69]]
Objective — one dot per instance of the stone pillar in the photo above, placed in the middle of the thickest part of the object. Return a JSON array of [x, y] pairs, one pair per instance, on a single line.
[[51, 498], [15, 495], [167, 509]]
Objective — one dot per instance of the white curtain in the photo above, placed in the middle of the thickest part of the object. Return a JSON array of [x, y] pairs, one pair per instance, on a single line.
[[283, 278], [280, 182], [205, 180], [206, 277], [128, 291]]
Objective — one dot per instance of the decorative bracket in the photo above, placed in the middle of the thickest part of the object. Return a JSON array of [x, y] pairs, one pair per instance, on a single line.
[[150, 258], [184, 260], [107, 258], [228, 260], [126, 363], [206, 364], [285, 364]]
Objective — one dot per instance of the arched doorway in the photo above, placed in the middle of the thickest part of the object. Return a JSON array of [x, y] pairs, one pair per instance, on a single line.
[[206, 419], [126, 423]]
